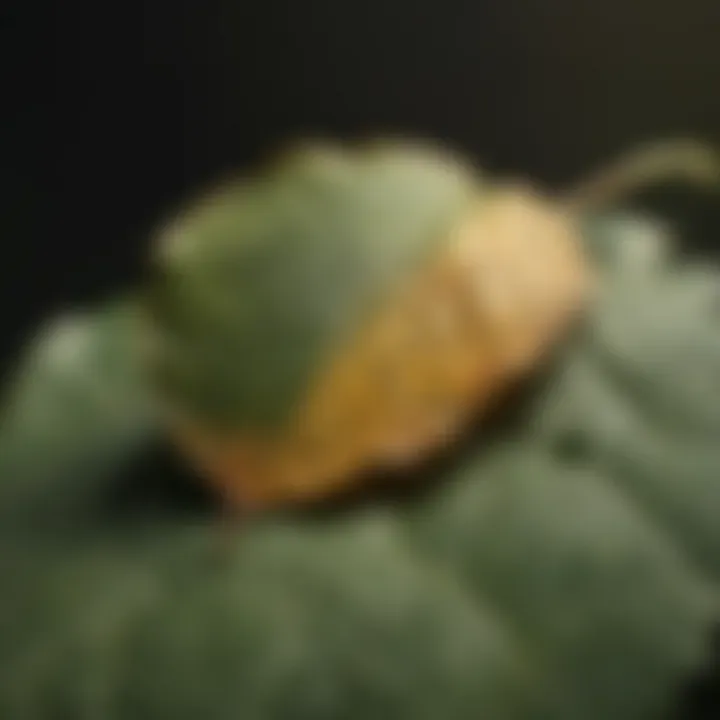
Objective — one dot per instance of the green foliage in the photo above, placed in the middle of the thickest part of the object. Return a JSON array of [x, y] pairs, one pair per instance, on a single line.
[[74, 411], [638, 391], [570, 571]]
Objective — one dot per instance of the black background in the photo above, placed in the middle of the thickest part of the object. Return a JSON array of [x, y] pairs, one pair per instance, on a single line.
[[112, 112]]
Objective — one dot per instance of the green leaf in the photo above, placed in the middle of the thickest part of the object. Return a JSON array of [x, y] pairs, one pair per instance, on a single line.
[[604, 605], [637, 397], [569, 572], [74, 411], [314, 623]]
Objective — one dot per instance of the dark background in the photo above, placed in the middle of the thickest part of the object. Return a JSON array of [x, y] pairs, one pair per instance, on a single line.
[[112, 112]]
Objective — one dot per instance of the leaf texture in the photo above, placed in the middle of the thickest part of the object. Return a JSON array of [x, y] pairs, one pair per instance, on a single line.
[[568, 572]]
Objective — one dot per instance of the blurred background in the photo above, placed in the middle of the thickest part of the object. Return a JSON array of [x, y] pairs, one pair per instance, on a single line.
[[114, 112]]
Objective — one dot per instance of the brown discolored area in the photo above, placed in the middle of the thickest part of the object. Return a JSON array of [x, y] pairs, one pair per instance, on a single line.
[[509, 282]]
